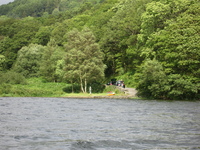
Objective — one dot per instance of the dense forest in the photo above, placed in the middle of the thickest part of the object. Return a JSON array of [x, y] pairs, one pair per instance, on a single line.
[[153, 45]]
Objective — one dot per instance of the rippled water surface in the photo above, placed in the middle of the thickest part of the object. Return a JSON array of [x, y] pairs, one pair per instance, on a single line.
[[98, 124]]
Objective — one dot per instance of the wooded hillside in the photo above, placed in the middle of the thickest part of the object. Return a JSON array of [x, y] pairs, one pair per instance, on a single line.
[[38, 8], [154, 45]]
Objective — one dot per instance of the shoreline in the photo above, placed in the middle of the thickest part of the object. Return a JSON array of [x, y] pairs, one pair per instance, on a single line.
[[101, 97], [81, 96]]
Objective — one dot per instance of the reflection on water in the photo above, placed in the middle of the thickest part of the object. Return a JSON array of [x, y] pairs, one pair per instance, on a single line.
[[98, 124]]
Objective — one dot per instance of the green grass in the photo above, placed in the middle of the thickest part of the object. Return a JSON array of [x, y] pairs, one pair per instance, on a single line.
[[83, 94], [87, 95], [35, 87]]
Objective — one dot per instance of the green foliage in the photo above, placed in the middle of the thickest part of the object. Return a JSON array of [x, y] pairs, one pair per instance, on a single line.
[[72, 88], [50, 64], [36, 8], [152, 81], [5, 89], [153, 44], [35, 87], [11, 77], [183, 87], [153, 19], [2, 62], [58, 32], [177, 46], [24, 8], [8, 80], [171, 36], [96, 87], [59, 72], [120, 34], [83, 58], [28, 60], [16, 34], [112, 88], [42, 37], [129, 79]]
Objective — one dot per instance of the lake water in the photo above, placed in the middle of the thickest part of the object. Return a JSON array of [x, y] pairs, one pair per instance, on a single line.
[[98, 124]]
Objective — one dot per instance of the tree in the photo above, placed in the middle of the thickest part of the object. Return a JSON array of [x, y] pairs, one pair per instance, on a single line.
[[17, 35], [6, 49], [2, 62], [174, 44], [51, 57], [59, 72], [58, 33], [153, 19], [28, 60], [120, 36], [42, 37], [84, 60], [152, 80]]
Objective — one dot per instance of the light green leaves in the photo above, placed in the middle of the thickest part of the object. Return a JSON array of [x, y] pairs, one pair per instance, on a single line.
[[28, 60], [84, 60]]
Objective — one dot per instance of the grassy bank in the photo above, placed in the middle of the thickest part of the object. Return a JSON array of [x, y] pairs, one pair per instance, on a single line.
[[36, 87]]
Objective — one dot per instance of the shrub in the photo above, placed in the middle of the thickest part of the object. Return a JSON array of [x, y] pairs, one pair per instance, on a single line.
[[28, 60], [112, 88], [154, 83], [5, 88], [75, 88], [96, 87], [12, 78], [183, 87], [152, 80]]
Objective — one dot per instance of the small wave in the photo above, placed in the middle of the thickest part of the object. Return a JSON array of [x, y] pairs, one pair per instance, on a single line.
[[103, 145]]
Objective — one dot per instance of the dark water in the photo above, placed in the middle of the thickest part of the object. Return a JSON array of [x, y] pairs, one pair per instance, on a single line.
[[98, 124]]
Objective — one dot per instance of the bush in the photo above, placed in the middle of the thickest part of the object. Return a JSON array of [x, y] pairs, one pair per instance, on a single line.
[[183, 87], [8, 79], [12, 78], [5, 88], [154, 83], [28, 60], [152, 80], [75, 88], [23, 91], [112, 88], [96, 87]]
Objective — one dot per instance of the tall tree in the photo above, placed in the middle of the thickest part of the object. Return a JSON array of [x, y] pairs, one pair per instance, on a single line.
[[152, 81], [48, 64], [120, 36], [28, 60], [42, 37], [172, 38], [17, 35], [84, 59]]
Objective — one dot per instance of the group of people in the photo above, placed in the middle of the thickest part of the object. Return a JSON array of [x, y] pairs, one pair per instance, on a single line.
[[119, 83]]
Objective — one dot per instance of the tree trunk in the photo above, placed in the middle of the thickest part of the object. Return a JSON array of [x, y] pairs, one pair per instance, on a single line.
[[85, 85], [82, 89], [72, 87]]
